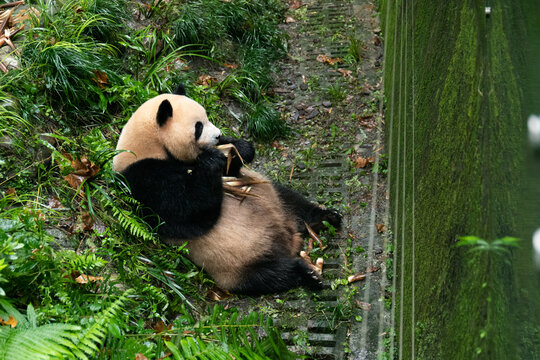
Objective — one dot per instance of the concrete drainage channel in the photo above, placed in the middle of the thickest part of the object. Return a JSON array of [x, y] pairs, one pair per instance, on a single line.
[[327, 334], [344, 321], [361, 331]]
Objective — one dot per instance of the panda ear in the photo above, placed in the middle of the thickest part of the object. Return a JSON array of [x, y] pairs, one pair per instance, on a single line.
[[180, 90], [164, 112]]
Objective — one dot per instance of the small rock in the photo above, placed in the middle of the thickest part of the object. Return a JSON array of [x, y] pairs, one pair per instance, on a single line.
[[303, 87], [291, 96], [292, 87], [327, 104], [281, 90], [300, 106], [312, 114], [301, 166], [6, 143], [294, 116]]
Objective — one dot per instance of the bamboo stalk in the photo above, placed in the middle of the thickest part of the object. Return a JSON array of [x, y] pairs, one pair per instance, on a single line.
[[314, 236], [12, 4]]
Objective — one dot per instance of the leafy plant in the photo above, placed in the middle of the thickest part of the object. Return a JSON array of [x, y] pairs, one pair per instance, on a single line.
[[499, 246], [336, 92], [26, 340], [355, 50], [265, 123], [232, 335]]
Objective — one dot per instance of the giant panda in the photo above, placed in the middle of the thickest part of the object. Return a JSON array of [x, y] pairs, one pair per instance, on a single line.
[[248, 245]]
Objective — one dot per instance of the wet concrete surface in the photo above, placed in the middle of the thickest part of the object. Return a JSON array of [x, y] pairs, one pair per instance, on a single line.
[[332, 102]]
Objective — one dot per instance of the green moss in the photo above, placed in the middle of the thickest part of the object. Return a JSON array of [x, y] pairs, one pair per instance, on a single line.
[[467, 133]]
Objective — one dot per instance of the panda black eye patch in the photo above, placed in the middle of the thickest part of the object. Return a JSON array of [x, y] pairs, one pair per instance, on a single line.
[[198, 130]]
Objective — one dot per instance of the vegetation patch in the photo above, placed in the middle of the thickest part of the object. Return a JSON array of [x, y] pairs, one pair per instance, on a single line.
[[80, 269]]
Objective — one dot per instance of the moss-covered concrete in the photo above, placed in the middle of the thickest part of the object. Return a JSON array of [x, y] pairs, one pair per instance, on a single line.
[[455, 134]]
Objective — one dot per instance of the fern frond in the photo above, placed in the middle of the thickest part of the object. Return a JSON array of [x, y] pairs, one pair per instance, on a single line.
[[90, 339], [43, 342], [130, 222], [10, 310]]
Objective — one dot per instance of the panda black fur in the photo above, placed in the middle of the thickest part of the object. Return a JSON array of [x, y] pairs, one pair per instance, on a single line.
[[248, 246]]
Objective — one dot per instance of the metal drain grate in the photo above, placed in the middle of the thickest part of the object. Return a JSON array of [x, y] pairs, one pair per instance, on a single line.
[[358, 334], [325, 338]]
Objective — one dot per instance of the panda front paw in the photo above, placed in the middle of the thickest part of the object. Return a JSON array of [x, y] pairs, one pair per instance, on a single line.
[[244, 147], [212, 160]]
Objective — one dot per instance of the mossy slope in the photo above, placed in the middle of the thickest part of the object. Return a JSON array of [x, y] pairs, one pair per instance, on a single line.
[[454, 134]]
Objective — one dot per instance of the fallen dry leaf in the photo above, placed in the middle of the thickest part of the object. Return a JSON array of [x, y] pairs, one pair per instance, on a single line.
[[231, 66], [361, 162], [217, 294], [295, 4], [75, 181], [84, 279], [363, 305], [140, 356], [368, 122], [376, 41], [101, 79], [276, 144], [345, 72], [88, 221], [290, 19], [357, 277], [25, 14], [327, 59], [83, 169], [54, 203], [11, 192], [177, 64], [206, 80], [381, 228], [10, 321], [159, 327], [372, 269]]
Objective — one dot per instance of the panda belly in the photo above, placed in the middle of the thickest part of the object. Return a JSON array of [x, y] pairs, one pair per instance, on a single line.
[[249, 231]]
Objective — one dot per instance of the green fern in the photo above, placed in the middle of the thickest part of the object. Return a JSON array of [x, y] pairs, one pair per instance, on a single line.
[[43, 342], [90, 339], [228, 335], [82, 263], [131, 223], [29, 341]]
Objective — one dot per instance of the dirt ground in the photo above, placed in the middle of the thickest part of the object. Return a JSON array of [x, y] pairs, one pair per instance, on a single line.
[[330, 90]]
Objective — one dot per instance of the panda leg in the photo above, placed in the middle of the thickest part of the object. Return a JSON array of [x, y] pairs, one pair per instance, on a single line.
[[306, 211], [279, 275]]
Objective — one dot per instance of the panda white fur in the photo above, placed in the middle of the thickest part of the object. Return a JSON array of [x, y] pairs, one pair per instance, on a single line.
[[248, 246]]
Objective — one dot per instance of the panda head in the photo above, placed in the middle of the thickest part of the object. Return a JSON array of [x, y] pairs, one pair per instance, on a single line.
[[168, 124], [183, 127]]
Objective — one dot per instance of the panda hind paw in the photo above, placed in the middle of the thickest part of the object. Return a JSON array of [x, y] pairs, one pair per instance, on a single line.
[[333, 217]]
